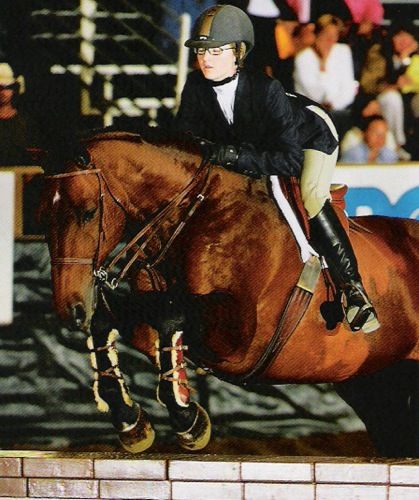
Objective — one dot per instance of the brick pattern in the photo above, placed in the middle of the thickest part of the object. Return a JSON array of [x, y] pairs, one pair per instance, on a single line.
[[113, 476]]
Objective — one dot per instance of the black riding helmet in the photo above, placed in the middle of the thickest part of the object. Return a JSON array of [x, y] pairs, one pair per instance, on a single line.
[[220, 25]]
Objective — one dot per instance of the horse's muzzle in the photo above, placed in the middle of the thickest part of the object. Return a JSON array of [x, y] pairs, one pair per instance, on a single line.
[[78, 316]]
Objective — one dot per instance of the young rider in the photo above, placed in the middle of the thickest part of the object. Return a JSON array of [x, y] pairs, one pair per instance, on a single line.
[[256, 129]]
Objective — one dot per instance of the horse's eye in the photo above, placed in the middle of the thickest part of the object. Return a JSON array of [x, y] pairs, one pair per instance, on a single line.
[[88, 215]]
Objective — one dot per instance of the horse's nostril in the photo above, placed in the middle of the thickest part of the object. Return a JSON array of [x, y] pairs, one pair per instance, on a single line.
[[78, 314]]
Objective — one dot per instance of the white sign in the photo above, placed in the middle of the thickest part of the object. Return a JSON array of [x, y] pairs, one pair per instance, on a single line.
[[7, 195], [391, 190]]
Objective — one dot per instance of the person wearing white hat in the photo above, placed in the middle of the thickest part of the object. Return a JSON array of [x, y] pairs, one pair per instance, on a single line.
[[18, 132]]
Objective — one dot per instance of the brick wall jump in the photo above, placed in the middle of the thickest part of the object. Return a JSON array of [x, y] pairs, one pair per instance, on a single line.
[[59, 475]]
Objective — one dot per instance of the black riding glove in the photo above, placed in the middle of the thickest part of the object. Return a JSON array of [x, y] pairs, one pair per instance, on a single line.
[[224, 155], [218, 154]]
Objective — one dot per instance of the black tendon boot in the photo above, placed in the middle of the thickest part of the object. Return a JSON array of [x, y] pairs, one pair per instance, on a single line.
[[330, 239]]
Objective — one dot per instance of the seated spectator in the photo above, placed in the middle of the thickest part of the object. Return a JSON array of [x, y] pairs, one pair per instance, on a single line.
[[361, 36], [372, 148], [290, 37], [366, 11], [304, 36], [325, 71], [264, 15], [311, 10], [364, 107], [18, 132], [389, 71], [406, 64]]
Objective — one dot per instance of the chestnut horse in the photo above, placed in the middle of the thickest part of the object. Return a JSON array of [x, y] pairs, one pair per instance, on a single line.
[[210, 256]]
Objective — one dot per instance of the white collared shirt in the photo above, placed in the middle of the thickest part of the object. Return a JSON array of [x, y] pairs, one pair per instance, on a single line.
[[226, 95]]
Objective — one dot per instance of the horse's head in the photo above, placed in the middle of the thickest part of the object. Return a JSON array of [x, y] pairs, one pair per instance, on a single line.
[[83, 224]]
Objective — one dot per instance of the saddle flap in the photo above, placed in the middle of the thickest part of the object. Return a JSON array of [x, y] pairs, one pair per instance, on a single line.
[[338, 192], [291, 189]]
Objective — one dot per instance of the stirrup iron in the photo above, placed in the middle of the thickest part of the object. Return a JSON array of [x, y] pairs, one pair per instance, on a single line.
[[360, 316]]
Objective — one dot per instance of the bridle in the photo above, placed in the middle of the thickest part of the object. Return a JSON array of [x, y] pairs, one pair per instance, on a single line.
[[195, 189]]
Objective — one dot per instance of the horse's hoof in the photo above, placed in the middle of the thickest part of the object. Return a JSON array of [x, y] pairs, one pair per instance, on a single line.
[[139, 437], [198, 435]]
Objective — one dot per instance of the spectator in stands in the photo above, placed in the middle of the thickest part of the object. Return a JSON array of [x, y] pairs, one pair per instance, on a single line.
[[18, 132], [311, 10], [365, 30], [372, 148], [291, 37], [264, 15], [364, 107], [366, 11], [390, 70], [406, 65], [325, 71]]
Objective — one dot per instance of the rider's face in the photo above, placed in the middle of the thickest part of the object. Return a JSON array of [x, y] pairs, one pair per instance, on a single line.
[[218, 67]]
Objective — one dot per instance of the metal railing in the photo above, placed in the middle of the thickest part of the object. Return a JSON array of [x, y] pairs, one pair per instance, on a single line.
[[23, 174], [86, 69]]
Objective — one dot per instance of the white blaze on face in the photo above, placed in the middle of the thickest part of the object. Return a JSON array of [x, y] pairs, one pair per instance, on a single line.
[[56, 198]]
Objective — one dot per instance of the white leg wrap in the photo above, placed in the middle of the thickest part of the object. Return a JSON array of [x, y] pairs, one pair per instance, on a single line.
[[112, 354], [176, 375]]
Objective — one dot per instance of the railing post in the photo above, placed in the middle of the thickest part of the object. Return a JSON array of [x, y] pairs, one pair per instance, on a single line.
[[88, 9], [182, 73], [7, 188]]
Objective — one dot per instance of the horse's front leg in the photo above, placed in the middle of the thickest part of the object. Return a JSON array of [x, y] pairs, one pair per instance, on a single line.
[[189, 420], [136, 433]]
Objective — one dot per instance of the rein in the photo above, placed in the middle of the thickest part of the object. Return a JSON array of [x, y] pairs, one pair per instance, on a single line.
[[154, 225], [199, 182]]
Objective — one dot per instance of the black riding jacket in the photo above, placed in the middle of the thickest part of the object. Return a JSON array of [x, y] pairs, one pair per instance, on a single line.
[[269, 130]]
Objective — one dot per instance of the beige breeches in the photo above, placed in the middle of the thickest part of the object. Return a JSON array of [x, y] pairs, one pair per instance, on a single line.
[[316, 178], [317, 172]]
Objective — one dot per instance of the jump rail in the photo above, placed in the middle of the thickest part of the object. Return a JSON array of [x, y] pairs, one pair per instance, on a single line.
[[34, 474]]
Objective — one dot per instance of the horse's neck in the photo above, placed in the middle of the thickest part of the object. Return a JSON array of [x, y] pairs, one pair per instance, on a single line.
[[145, 177]]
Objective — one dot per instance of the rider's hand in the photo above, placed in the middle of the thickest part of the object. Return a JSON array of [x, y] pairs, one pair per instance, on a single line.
[[218, 154], [225, 156]]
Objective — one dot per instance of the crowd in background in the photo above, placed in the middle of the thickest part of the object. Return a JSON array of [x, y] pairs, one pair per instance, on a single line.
[[337, 52], [342, 55]]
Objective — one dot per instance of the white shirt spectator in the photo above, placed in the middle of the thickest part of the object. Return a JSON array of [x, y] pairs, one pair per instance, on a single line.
[[263, 8], [336, 86]]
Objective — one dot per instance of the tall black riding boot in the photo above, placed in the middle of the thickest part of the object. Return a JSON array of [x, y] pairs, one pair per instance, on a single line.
[[330, 240]]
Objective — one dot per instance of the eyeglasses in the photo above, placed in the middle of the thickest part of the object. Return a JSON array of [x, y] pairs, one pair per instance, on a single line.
[[213, 51], [8, 87]]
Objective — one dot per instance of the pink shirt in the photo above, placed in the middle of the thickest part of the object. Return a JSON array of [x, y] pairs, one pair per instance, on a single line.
[[301, 8], [361, 10], [366, 10]]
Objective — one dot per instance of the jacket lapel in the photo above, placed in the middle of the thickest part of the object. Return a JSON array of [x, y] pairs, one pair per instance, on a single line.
[[243, 107]]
